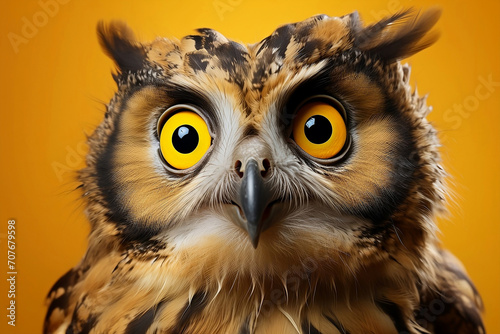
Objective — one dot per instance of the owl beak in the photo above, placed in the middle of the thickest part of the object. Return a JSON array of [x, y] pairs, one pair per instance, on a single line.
[[254, 200]]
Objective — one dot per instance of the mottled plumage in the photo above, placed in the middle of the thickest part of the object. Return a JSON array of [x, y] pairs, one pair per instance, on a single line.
[[343, 244]]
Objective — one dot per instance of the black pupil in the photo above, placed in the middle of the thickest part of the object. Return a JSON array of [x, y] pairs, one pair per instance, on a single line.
[[318, 129], [185, 139]]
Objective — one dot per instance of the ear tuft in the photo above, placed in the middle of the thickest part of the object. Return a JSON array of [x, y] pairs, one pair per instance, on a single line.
[[399, 36], [118, 42]]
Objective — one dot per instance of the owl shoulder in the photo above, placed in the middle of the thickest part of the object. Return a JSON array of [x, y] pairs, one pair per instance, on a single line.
[[452, 304]]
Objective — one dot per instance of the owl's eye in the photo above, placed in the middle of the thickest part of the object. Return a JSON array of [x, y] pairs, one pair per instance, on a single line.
[[319, 129], [184, 139]]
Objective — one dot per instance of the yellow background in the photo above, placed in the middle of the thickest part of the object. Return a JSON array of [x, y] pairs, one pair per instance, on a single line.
[[53, 89]]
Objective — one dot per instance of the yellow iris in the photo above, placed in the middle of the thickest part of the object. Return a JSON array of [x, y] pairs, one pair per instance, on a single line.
[[319, 129], [184, 139]]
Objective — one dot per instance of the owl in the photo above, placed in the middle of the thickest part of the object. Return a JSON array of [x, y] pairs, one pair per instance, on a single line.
[[287, 186]]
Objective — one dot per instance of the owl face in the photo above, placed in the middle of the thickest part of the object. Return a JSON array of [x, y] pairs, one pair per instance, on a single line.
[[307, 145]]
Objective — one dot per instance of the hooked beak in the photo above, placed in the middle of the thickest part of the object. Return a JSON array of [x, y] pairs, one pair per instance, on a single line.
[[255, 202], [253, 199]]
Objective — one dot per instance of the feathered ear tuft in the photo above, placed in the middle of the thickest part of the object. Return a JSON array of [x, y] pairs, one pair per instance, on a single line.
[[119, 43], [399, 36]]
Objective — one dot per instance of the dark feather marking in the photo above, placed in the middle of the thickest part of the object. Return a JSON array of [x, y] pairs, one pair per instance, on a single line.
[[191, 309], [250, 131], [198, 41], [197, 61], [69, 330], [228, 56], [369, 34], [141, 323], [82, 325], [307, 50], [400, 35], [66, 281], [147, 250], [61, 303], [303, 31], [179, 94], [233, 59], [404, 163], [279, 40], [209, 37], [245, 327], [308, 328], [118, 42], [395, 260], [119, 263], [88, 325], [337, 325], [129, 229], [394, 312], [464, 320]]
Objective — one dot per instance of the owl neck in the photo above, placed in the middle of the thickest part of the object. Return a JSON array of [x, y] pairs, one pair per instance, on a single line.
[[195, 296]]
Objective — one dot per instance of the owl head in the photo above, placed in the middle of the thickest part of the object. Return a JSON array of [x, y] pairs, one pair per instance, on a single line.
[[307, 146]]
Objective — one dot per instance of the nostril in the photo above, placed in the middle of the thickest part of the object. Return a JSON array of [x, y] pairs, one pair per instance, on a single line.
[[267, 166], [237, 168]]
